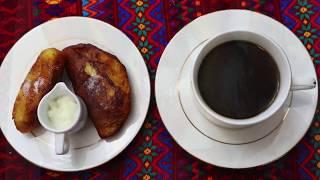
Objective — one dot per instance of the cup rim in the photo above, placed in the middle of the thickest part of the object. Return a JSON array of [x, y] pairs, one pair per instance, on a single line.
[[44, 98], [260, 117]]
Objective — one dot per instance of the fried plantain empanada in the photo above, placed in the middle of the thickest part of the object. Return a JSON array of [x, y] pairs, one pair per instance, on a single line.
[[102, 82], [39, 81]]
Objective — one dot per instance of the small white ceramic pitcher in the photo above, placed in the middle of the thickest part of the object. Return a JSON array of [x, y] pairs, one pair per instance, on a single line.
[[61, 142]]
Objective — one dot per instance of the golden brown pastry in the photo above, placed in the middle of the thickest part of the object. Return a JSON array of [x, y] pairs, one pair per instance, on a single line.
[[102, 82], [40, 80]]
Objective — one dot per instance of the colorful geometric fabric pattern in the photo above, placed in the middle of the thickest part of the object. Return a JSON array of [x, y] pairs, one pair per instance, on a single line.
[[150, 24]]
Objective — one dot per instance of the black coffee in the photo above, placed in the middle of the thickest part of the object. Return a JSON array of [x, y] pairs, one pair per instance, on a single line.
[[238, 79]]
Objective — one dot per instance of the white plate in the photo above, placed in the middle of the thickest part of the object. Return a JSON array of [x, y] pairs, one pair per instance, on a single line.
[[197, 143], [87, 149]]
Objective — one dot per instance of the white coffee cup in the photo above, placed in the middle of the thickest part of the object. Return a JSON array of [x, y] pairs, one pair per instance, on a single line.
[[61, 141], [287, 83]]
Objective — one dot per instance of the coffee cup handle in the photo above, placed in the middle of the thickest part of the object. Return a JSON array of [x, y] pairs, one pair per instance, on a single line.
[[303, 84], [61, 145]]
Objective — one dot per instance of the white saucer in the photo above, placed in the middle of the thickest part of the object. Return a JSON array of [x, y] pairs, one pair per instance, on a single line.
[[87, 149], [231, 152]]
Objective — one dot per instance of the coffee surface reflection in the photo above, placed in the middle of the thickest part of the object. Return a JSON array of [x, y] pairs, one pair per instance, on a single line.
[[238, 79]]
